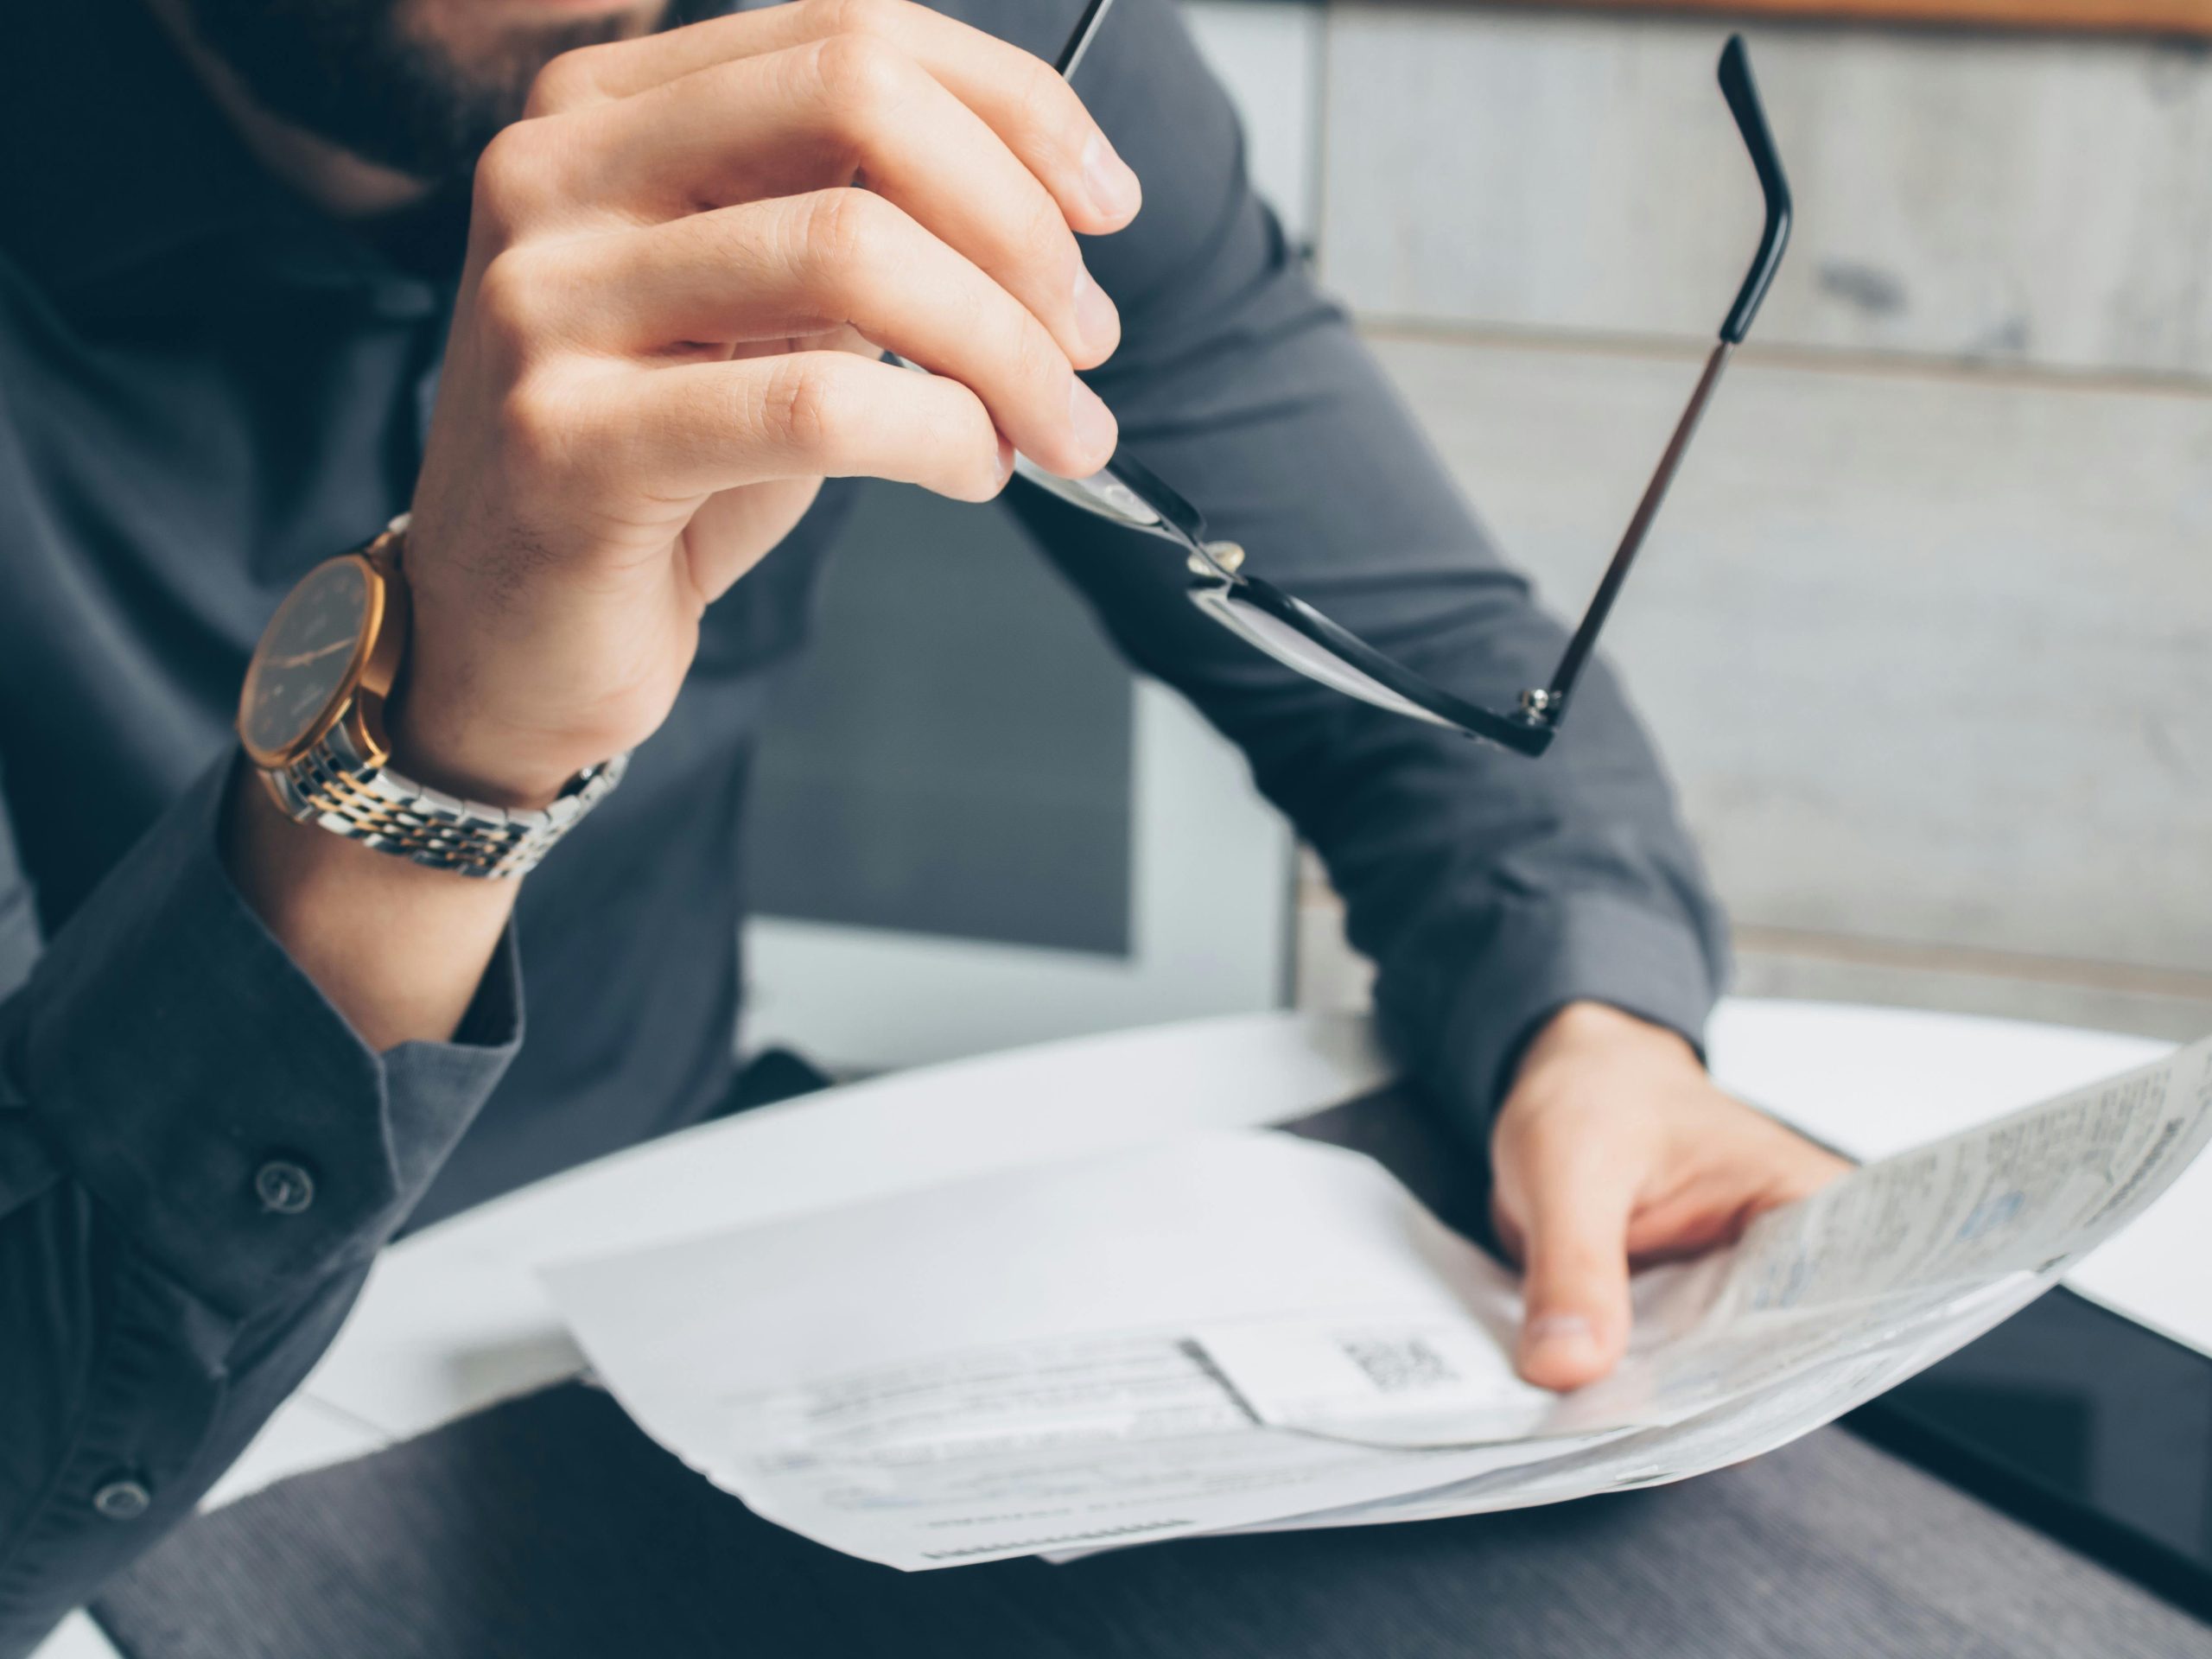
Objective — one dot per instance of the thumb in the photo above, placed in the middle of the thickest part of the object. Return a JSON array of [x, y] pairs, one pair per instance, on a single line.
[[1576, 1323]]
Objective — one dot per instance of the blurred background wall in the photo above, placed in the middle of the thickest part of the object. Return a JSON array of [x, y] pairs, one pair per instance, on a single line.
[[1926, 630]]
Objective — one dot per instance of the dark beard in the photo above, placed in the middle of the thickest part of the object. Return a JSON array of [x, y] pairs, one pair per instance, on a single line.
[[346, 71]]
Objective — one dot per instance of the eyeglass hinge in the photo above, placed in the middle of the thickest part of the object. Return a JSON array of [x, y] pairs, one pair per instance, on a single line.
[[1542, 707]]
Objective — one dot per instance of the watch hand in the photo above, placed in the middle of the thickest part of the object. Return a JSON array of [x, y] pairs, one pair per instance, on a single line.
[[307, 656]]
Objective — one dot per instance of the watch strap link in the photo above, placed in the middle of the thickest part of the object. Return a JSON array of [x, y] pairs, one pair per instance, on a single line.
[[336, 786]]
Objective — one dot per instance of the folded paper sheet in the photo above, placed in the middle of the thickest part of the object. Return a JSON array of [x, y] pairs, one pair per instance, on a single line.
[[1244, 1331]]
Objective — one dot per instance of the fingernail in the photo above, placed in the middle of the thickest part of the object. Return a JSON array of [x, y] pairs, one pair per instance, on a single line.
[[1095, 319], [1006, 462], [1566, 1337], [1114, 189], [1095, 427]]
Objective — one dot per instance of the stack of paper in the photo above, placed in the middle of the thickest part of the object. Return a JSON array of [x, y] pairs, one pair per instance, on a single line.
[[1245, 1331]]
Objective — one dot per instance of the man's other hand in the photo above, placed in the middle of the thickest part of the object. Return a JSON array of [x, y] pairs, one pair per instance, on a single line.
[[1614, 1149]]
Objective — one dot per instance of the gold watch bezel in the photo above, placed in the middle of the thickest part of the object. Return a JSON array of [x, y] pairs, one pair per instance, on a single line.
[[369, 675]]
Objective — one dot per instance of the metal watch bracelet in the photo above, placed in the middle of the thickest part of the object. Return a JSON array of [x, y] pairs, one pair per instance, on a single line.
[[336, 785]]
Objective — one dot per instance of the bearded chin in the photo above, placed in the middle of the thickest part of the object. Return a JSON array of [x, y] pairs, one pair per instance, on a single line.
[[348, 72]]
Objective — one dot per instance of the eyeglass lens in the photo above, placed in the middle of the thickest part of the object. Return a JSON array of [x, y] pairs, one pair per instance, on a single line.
[[1295, 651], [1109, 498], [1101, 494]]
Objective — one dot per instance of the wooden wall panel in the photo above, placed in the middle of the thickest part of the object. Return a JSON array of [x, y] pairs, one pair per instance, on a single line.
[[1930, 650], [1931, 655], [1960, 196], [2172, 17]]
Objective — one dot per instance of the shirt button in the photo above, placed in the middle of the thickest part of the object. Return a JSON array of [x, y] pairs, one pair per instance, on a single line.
[[123, 1500], [283, 1187]]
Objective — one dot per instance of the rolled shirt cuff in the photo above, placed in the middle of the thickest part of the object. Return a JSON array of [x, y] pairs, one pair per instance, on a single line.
[[208, 1096], [1515, 969]]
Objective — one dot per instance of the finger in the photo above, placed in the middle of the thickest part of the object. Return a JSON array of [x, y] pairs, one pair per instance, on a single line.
[[696, 429], [1744, 1165], [819, 116], [1802, 1170], [1575, 1282], [1032, 110], [1506, 1231], [802, 265]]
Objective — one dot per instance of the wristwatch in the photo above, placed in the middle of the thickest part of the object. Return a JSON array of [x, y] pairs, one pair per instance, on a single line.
[[311, 718]]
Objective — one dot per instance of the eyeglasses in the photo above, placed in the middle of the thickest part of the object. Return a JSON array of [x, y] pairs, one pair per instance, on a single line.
[[1300, 638]]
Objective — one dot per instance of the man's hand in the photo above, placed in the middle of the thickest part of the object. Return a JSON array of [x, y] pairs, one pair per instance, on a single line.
[[1614, 1149], [666, 337]]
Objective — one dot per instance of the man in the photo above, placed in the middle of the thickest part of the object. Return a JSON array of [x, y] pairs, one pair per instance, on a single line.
[[273, 271]]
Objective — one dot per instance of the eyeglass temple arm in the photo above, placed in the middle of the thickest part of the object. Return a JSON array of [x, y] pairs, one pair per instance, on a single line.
[[1750, 120], [1548, 706], [1079, 41]]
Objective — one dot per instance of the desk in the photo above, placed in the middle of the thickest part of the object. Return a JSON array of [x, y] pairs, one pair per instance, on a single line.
[[453, 1319]]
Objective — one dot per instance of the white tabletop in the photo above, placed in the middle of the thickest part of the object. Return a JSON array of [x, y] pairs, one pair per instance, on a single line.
[[454, 1318]]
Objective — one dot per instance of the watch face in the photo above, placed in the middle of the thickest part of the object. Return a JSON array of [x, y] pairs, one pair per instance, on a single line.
[[306, 658]]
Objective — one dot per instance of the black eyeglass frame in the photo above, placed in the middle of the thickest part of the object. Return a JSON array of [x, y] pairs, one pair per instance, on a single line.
[[1220, 581]]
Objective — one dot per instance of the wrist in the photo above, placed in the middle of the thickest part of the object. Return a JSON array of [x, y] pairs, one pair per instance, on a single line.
[[436, 743], [398, 948], [448, 731], [279, 863], [1585, 1030], [326, 709], [501, 719]]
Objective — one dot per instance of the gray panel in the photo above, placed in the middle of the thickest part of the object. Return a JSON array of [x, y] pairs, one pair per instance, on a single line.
[[953, 755], [2002, 197]]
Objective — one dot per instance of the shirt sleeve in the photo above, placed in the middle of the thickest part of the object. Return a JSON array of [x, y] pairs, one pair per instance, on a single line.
[[198, 1159], [1489, 889]]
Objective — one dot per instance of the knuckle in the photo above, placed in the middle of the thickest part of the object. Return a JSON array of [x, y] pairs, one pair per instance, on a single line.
[[801, 406], [861, 77], [844, 230], [566, 82], [834, 17], [863, 89], [511, 175], [508, 303], [1044, 110]]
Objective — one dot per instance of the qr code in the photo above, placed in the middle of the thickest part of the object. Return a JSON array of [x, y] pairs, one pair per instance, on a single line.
[[1398, 1364]]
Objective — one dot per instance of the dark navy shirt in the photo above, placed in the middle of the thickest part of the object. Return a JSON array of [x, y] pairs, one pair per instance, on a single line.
[[206, 388]]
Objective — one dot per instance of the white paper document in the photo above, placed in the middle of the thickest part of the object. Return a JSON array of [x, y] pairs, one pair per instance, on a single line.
[[1243, 1330]]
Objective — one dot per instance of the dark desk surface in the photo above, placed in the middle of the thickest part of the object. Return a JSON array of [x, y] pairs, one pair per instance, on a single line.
[[551, 1527]]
